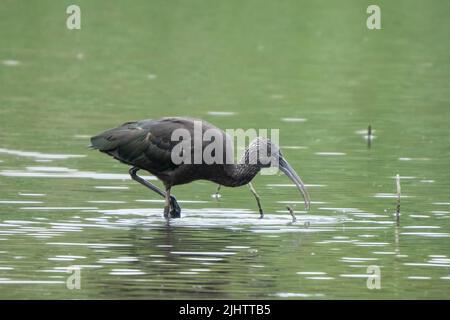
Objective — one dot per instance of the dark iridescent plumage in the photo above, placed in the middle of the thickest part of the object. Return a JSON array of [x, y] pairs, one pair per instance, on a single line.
[[147, 145]]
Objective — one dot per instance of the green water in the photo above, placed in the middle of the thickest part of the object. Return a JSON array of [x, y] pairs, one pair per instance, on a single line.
[[262, 63]]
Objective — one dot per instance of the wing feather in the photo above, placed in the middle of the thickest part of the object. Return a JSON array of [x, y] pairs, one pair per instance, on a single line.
[[146, 144]]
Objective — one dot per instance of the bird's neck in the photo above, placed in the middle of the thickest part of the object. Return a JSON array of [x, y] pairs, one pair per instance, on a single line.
[[240, 174], [243, 172]]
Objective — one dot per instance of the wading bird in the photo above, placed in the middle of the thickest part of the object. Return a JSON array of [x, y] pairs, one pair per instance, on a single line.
[[149, 145]]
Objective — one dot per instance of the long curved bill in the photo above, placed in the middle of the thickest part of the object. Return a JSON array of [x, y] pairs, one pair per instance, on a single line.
[[290, 172]]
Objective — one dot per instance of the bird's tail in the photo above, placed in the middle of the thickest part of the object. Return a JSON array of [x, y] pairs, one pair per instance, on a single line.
[[113, 138], [105, 141]]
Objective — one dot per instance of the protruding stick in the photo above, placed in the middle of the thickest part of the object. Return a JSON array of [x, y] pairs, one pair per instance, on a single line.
[[291, 211], [399, 193]]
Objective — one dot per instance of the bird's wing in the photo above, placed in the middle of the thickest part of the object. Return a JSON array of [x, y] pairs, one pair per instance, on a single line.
[[146, 144]]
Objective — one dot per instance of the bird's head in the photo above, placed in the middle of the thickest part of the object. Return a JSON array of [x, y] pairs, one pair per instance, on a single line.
[[264, 153]]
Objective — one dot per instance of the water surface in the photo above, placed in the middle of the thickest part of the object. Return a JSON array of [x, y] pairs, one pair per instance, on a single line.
[[311, 69]]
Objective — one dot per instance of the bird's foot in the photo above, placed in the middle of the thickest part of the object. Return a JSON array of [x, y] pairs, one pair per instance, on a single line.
[[173, 210], [261, 214]]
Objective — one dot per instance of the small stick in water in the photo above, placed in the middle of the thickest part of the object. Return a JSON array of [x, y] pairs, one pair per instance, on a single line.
[[291, 211], [399, 192], [369, 136]]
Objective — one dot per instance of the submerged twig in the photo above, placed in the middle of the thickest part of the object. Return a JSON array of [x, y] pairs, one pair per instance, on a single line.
[[399, 193], [369, 136], [291, 211]]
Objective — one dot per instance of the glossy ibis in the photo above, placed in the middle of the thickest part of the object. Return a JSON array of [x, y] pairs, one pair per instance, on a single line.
[[148, 145]]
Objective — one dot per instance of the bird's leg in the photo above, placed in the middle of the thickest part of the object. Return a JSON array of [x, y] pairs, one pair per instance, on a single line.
[[144, 182], [255, 194], [174, 207], [217, 195], [167, 204]]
